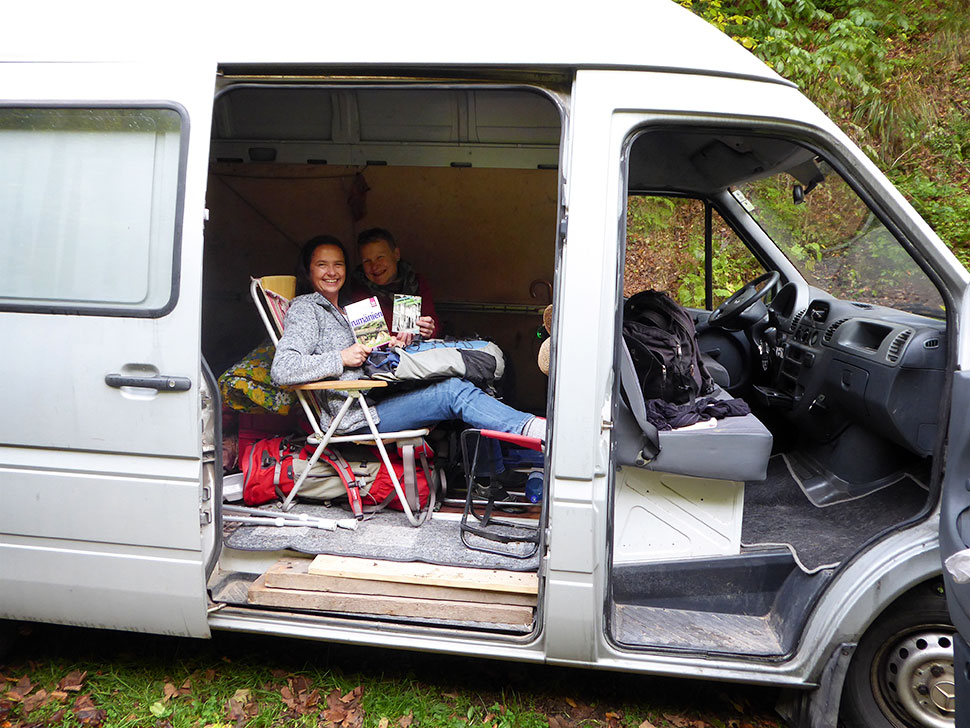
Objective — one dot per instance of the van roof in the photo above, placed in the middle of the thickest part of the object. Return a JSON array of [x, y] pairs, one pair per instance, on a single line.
[[644, 34]]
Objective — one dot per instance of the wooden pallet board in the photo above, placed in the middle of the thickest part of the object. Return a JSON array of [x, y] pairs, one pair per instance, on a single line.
[[350, 567], [396, 606], [292, 573]]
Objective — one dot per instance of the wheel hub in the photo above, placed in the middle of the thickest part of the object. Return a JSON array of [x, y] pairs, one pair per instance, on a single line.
[[919, 676]]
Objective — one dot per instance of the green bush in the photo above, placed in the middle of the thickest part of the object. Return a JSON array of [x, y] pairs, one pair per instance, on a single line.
[[896, 75]]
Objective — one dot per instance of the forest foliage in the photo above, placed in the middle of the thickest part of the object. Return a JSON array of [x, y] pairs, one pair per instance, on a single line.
[[894, 74]]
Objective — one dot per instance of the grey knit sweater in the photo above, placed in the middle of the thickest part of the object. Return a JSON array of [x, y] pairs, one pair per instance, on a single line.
[[314, 334]]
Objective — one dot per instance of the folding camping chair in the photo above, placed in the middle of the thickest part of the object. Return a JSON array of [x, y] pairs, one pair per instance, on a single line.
[[272, 296], [482, 524]]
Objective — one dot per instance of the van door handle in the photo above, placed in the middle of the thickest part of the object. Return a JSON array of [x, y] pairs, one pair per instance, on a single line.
[[160, 383]]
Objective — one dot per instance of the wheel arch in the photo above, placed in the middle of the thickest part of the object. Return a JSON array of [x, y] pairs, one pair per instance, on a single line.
[[866, 590]]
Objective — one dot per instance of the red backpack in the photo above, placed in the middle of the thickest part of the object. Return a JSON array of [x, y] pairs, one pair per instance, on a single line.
[[268, 475], [382, 489], [268, 472]]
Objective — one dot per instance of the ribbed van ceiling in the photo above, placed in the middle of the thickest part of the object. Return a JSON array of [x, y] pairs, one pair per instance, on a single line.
[[370, 115]]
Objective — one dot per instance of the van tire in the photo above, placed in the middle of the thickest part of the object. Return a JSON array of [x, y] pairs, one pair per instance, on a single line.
[[910, 646]]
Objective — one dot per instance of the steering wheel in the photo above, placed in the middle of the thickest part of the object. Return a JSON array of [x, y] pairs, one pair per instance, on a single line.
[[741, 300]]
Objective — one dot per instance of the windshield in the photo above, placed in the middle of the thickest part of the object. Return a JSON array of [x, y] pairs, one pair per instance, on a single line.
[[837, 244]]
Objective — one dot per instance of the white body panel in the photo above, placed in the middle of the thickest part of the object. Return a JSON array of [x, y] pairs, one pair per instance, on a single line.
[[101, 485], [633, 33], [662, 517]]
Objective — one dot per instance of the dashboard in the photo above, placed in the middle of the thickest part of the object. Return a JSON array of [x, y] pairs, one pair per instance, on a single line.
[[837, 362]]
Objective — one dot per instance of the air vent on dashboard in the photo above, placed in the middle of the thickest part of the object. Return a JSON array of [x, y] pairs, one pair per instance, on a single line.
[[866, 306], [897, 346], [830, 331], [795, 319]]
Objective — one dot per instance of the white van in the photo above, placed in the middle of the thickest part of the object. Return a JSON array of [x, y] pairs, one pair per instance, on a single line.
[[149, 167]]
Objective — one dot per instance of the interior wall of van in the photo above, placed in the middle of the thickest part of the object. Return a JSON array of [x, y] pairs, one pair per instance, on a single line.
[[481, 237]]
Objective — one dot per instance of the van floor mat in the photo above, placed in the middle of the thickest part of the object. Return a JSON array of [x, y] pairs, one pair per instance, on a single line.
[[777, 513], [685, 629], [385, 535]]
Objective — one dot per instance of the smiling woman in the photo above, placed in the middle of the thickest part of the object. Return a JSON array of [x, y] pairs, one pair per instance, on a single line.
[[327, 267], [319, 343]]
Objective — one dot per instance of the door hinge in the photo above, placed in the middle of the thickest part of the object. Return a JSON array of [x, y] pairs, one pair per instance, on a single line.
[[205, 517]]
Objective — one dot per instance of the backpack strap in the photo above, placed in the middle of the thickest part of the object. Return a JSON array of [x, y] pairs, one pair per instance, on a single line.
[[407, 457], [410, 478], [634, 396], [351, 483]]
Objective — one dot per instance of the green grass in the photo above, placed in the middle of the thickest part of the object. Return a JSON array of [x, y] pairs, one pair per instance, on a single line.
[[245, 680]]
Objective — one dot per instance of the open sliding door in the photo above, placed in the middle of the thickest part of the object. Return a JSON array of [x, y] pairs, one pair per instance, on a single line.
[[104, 520]]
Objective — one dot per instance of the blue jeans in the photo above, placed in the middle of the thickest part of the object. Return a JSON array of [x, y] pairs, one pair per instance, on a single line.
[[449, 399]]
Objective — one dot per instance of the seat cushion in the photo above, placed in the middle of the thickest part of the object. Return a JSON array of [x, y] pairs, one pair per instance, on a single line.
[[735, 448]]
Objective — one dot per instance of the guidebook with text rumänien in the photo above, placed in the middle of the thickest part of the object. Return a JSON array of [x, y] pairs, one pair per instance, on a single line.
[[367, 321], [407, 310]]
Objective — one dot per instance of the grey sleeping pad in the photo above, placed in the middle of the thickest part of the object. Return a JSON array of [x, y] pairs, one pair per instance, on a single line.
[[480, 362]]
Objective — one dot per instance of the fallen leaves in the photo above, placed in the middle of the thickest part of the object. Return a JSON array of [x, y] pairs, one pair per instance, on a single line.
[[73, 681], [345, 711], [32, 702], [403, 722], [241, 707], [678, 721], [312, 697], [300, 696], [87, 712], [20, 690], [30, 698], [337, 710]]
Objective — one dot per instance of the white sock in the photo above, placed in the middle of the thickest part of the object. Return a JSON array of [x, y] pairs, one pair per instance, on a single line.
[[536, 427]]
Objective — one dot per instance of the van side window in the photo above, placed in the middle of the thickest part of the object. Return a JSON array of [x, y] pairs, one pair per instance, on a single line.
[[88, 203], [665, 251]]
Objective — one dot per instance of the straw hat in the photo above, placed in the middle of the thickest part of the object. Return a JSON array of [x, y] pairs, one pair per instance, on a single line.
[[544, 350]]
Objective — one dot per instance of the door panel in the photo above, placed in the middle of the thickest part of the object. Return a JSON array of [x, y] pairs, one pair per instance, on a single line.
[[955, 508], [102, 190]]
